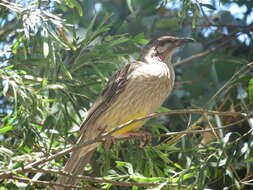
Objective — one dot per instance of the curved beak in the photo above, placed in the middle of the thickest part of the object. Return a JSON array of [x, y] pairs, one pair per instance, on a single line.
[[181, 41], [177, 43]]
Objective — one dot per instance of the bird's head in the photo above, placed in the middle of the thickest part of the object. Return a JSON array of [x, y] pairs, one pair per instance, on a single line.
[[162, 48]]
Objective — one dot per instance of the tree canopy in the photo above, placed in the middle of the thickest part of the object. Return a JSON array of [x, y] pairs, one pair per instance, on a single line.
[[56, 57]]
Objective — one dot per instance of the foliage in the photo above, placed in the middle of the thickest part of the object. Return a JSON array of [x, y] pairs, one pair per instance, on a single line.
[[56, 56]]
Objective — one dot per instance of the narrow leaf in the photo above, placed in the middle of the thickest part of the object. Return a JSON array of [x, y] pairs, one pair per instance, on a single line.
[[45, 49]]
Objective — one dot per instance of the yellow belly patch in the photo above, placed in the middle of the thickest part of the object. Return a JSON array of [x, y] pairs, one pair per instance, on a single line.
[[130, 127]]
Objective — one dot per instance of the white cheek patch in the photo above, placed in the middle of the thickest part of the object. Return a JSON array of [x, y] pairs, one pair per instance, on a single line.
[[162, 49]]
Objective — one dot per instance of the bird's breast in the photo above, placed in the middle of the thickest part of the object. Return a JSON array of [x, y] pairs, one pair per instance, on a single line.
[[146, 89], [152, 81], [152, 70], [156, 75]]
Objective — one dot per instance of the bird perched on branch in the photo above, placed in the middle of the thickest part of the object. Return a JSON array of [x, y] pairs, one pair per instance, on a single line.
[[134, 91]]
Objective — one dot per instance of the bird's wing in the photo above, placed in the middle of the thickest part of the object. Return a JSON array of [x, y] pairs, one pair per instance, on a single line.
[[113, 89], [110, 93]]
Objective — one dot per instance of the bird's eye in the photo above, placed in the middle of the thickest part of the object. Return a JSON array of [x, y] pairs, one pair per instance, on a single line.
[[163, 48]]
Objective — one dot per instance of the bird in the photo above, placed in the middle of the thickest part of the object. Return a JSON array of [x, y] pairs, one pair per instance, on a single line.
[[135, 90]]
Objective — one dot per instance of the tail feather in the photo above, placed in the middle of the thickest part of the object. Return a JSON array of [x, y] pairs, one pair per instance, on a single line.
[[75, 165]]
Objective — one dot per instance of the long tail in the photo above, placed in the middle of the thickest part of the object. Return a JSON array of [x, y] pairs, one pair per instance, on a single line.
[[75, 165]]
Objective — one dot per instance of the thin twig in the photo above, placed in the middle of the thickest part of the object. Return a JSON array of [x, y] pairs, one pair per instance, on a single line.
[[92, 179], [223, 40], [190, 131], [100, 138], [81, 177], [104, 136], [12, 6], [39, 182], [195, 56], [234, 26], [174, 112], [227, 85], [29, 167]]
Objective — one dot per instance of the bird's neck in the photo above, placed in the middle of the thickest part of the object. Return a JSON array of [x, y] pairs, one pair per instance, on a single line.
[[147, 56], [153, 59]]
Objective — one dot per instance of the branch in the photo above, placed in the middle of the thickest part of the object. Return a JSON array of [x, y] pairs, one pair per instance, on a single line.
[[201, 54], [12, 6], [226, 87], [101, 138], [223, 40], [91, 179], [174, 112], [7, 27], [189, 131], [234, 26], [39, 182], [80, 177]]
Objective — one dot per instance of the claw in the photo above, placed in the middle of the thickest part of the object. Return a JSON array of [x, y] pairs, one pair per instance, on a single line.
[[109, 142], [145, 137]]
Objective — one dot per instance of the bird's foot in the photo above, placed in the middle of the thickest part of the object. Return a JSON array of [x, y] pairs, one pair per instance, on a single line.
[[109, 142], [145, 137]]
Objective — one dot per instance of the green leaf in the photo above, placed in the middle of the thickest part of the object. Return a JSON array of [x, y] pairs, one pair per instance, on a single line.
[[56, 37], [130, 6], [6, 129], [140, 38], [55, 86], [99, 72], [122, 165], [45, 49], [249, 160], [18, 164], [158, 187], [15, 46], [65, 71], [184, 177], [27, 149], [178, 166], [75, 4], [6, 117], [107, 186], [118, 41], [6, 86], [44, 82], [250, 87], [142, 179], [6, 151], [162, 109], [90, 27], [207, 6], [8, 126]]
